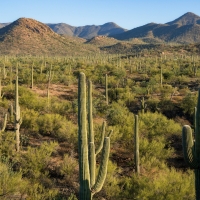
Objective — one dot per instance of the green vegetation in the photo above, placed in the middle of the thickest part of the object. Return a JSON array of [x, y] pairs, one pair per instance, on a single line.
[[48, 163]]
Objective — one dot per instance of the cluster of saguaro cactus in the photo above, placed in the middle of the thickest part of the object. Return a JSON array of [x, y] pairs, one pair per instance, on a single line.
[[89, 184], [191, 149]]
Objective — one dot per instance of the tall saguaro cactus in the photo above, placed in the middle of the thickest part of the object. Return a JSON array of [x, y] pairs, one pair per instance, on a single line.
[[136, 149], [191, 149], [87, 156], [106, 88], [17, 115]]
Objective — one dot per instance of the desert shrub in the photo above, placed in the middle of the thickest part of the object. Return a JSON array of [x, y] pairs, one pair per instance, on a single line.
[[153, 150], [160, 185], [11, 183], [30, 100], [57, 126], [35, 161], [111, 188], [30, 118], [156, 125], [121, 121], [68, 169], [189, 102], [39, 192], [7, 144]]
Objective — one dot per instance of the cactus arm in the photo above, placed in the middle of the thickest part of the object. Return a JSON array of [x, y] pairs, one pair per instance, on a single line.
[[188, 146], [102, 138], [103, 167], [110, 133], [92, 163], [90, 117], [92, 157], [84, 177]]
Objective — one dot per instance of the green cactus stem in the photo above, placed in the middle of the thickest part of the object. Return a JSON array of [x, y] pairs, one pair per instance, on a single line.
[[191, 149], [87, 156]]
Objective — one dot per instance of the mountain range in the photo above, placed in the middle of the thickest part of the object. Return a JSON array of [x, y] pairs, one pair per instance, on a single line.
[[185, 29], [28, 36]]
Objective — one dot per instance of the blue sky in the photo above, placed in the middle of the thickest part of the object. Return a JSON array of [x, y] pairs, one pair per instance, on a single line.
[[126, 13]]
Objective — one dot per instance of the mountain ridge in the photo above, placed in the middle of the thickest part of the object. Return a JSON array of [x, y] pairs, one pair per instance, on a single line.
[[185, 29]]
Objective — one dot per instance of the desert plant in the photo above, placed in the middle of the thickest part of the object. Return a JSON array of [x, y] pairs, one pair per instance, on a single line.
[[87, 157], [136, 149], [191, 149]]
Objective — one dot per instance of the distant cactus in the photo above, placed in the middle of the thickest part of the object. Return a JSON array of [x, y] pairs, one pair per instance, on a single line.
[[32, 76], [106, 88], [87, 156], [191, 149], [1, 94], [143, 105], [4, 123]]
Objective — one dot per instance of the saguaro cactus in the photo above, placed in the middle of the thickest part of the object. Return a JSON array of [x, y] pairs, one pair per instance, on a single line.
[[106, 88], [87, 156], [17, 116], [191, 149], [32, 76], [136, 149], [143, 105], [4, 123]]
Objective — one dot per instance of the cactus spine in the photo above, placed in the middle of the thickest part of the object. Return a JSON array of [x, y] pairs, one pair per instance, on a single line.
[[191, 149], [87, 156], [136, 149]]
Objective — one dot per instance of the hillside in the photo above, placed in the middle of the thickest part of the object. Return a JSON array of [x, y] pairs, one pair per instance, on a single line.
[[3, 24], [185, 30], [88, 31], [28, 36]]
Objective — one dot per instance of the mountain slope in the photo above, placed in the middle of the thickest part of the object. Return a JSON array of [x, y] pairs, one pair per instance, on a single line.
[[62, 28], [186, 19], [28, 36], [185, 29], [88, 31], [3, 24]]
